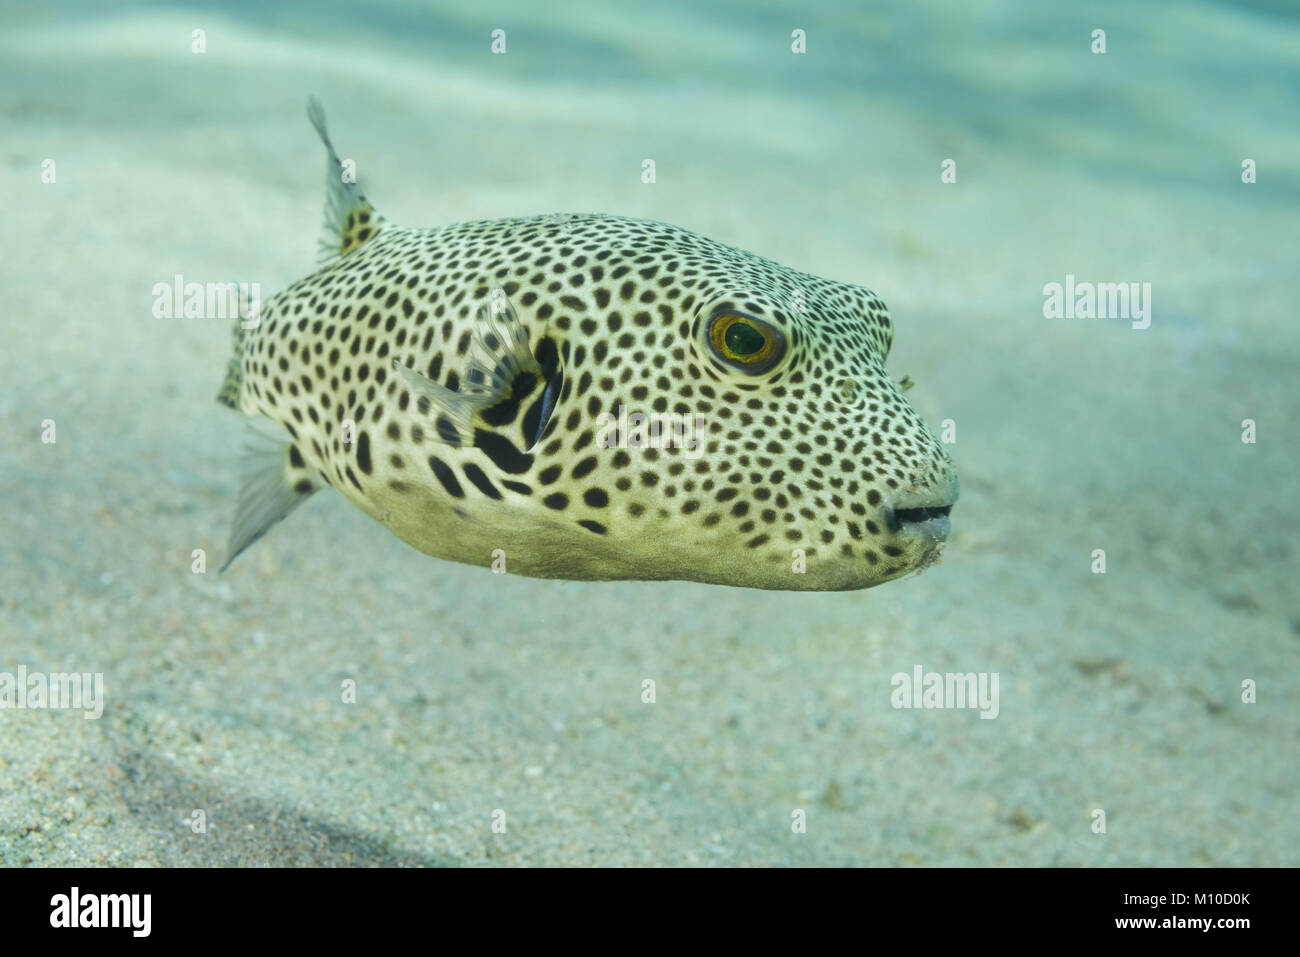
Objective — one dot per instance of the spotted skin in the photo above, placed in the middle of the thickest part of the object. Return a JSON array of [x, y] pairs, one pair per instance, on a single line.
[[814, 474]]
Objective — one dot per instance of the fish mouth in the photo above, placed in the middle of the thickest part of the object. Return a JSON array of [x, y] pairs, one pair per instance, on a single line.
[[924, 522], [919, 518]]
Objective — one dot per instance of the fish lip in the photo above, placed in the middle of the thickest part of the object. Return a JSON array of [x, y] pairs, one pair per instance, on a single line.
[[933, 527], [919, 532], [926, 522], [923, 516]]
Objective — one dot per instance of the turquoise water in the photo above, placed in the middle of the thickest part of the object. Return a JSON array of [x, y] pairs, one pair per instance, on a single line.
[[1161, 692]]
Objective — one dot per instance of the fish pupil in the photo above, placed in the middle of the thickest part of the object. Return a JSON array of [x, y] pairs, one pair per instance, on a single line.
[[743, 339]]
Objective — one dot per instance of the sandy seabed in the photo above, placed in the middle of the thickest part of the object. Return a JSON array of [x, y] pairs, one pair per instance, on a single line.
[[479, 693]]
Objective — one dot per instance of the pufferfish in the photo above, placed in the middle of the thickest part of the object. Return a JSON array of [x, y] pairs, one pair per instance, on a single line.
[[589, 397]]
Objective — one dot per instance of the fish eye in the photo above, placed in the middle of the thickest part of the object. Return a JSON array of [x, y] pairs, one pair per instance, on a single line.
[[745, 342]]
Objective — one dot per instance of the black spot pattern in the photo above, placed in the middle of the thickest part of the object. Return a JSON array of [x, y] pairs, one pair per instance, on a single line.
[[811, 454]]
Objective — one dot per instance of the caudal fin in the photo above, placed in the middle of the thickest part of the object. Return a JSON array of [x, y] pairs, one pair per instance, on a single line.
[[350, 220], [234, 380]]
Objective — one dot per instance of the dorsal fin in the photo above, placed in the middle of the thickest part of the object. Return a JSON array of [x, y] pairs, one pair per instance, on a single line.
[[350, 220]]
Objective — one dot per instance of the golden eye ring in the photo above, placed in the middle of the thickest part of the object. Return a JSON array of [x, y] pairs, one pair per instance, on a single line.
[[744, 342]]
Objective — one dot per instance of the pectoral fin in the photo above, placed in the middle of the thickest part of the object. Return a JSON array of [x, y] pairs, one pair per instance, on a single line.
[[502, 369]]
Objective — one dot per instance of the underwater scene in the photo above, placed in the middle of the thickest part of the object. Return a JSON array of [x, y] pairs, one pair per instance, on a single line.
[[690, 434]]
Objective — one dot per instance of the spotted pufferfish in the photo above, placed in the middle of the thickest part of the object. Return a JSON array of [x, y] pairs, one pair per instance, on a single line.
[[458, 385]]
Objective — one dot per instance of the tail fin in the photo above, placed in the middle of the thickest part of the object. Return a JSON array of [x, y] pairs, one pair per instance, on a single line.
[[350, 220], [229, 394]]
